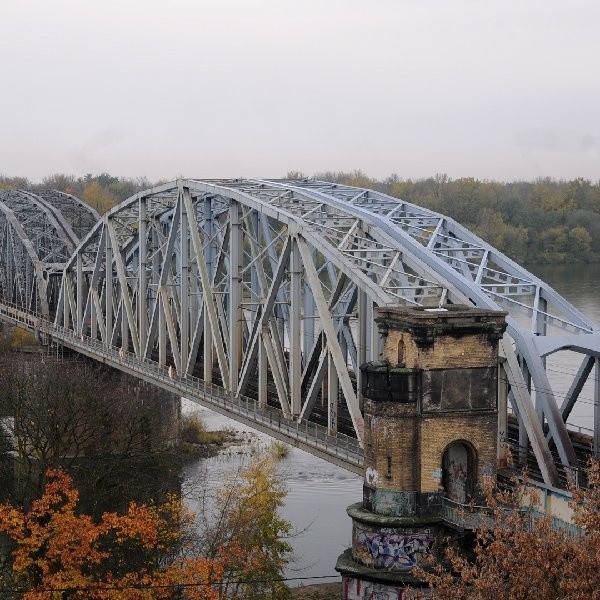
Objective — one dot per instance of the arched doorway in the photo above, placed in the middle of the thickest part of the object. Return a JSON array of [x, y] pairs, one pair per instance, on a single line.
[[459, 464]]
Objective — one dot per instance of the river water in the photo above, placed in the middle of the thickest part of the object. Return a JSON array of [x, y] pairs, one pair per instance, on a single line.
[[319, 492], [580, 285]]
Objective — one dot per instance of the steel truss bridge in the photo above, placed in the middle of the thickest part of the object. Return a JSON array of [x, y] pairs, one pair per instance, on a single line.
[[256, 298]]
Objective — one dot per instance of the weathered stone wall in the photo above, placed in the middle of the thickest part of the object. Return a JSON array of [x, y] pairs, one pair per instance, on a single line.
[[446, 352], [456, 353], [479, 431], [405, 454], [391, 437]]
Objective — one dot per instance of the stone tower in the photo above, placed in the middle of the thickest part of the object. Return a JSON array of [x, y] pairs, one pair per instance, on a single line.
[[431, 425]]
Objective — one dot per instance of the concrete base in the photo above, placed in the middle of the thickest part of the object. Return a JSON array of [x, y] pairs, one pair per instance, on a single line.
[[385, 549], [359, 589]]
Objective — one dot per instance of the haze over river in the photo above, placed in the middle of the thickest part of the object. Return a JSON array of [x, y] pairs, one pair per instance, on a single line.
[[580, 285], [319, 492]]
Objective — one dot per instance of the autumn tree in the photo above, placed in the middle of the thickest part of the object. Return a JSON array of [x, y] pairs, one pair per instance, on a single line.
[[535, 221], [98, 197], [121, 556], [521, 555], [101, 191], [150, 551], [248, 516], [61, 182]]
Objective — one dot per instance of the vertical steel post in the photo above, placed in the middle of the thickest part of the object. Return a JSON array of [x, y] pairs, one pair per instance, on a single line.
[[184, 307], [65, 305], [262, 371], [142, 292], [332, 396], [209, 258], [124, 329], [156, 262], [255, 294], [523, 437], [235, 295], [308, 325], [362, 342], [372, 332], [162, 331], [295, 371], [541, 306], [94, 321], [78, 326], [108, 286]]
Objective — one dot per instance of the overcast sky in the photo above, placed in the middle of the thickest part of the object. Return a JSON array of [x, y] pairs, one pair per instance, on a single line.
[[236, 88]]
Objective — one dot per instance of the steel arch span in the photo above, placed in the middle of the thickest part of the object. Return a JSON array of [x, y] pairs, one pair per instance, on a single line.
[[39, 231], [265, 290]]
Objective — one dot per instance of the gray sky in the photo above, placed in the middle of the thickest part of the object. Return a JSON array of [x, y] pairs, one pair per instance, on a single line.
[[493, 89]]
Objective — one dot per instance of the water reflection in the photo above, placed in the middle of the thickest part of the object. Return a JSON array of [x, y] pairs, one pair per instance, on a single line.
[[318, 494]]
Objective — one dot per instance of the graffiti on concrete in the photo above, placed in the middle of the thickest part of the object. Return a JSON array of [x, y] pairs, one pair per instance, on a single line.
[[356, 589], [392, 551]]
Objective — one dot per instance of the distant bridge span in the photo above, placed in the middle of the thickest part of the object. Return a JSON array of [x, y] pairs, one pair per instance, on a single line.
[[256, 297]]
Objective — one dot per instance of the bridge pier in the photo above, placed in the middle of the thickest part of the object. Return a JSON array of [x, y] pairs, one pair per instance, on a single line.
[[431, 430]]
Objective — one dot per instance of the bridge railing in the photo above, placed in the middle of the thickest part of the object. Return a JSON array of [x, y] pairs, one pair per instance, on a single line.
[[467, 516], [473, 517], [307, 432]]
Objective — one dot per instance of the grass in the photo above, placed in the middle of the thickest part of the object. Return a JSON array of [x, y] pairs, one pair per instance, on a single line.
[[279, 450], [193, 431]]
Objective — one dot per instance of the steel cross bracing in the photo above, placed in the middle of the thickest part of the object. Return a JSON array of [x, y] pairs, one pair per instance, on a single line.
[[540, 321], [267, 289], [39, 231]]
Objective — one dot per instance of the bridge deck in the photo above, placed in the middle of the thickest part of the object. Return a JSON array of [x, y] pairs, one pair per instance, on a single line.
[[339, 449]]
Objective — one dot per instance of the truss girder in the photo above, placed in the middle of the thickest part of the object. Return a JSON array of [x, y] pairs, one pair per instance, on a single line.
[[22, 276], [265, 284], [77, 217], [48, 225], [49, 239], [473, 269], [230, 281]]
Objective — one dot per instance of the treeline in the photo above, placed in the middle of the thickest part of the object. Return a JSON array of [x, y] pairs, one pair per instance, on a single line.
[[544, 221], [101, 192]]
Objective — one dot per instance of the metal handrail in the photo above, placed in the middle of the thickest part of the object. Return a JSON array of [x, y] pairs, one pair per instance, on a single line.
[[470, 516], [339, 445]]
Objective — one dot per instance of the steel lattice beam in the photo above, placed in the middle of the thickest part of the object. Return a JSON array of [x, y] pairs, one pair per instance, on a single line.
[[268, 288]]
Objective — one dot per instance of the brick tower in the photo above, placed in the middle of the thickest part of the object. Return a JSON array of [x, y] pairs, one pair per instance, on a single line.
[[431, 425]]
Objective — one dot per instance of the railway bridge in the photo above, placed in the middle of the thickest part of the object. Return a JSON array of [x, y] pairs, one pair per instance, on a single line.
[[256, 298]]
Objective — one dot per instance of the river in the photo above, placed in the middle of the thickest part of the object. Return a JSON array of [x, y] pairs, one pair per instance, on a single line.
[[580, 285], [319, 492]]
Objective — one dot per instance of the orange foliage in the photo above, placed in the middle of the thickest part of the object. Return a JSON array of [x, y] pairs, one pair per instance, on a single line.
[[522, 555], [58, 549]]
